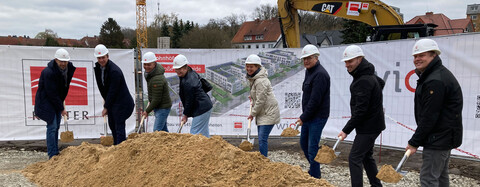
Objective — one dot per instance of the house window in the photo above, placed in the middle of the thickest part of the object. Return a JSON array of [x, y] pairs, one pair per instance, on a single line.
[[257, 46], [270, 45], [247, 38], [259, 37], [249, 46], [473, 17], [263, 45], [474, 8]]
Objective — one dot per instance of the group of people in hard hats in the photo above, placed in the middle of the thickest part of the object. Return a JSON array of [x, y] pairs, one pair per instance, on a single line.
[[438, 105], [438, 112]]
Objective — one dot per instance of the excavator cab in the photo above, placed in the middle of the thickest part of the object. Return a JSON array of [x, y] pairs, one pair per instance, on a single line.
[[395, 32]]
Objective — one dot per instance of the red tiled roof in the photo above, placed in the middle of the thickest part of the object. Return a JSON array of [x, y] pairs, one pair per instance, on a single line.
[[19, 40], [462, 23], [270, 29], [446, 26]]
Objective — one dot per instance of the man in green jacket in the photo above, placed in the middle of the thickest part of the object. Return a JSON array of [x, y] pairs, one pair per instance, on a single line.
[[158, 93]]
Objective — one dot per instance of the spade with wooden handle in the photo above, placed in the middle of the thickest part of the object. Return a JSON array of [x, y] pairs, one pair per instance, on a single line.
[[400, 164]]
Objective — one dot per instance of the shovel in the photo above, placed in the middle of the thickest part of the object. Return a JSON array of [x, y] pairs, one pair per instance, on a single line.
[[249, 129], [66, 136], [104, 138], [180, 128], [326, 154], [387, 174], [336, 144], [140, 125], [289, 132]]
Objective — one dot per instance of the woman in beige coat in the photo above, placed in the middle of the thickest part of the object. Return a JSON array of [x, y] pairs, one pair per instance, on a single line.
[[264, 105]]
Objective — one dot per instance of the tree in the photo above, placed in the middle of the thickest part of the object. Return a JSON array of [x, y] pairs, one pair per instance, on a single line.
[[111, 34], [177, 34], [46, 34], [131, 35], [51, 41], [265, 12], [311, 22], [165, 31], [354, 32]]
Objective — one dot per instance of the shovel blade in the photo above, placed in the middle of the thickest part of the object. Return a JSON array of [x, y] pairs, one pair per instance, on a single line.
[[337, 153], [403, 173]]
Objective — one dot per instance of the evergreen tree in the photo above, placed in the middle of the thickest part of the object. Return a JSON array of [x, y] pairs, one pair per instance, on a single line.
[[51, 41], [355, 32], [111, 34], [164, 29], [177, 34]]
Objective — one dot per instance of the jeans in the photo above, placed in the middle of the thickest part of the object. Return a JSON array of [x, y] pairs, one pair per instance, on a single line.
[[434, 170], [200, 124], [52, 135], [361, 157], [161, 115], [263, 133], [309, 139], [117, 126]]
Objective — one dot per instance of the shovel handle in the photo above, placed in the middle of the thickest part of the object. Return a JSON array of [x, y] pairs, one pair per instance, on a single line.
[[180, 129], [298, 125], [337, 142], [140, 124], [66, 122], [405, 157], [408, 153]]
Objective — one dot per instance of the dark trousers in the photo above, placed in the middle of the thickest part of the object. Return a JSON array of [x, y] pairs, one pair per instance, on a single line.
[[361, 157], [309, 138], [117, 126], [434, 170]]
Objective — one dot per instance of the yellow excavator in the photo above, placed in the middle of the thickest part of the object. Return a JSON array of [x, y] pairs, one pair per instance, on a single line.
[[386, 23]]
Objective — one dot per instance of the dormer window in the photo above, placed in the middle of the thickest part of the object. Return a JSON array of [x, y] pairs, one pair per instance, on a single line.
[[259, 37], [246, 38]]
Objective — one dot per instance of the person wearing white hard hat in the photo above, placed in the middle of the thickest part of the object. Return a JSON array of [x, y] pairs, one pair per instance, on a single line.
[[438, 113], [367, 118], [158, 93], [315, 106], [264, 104], [118, 103], [52, 90], [195, 100]]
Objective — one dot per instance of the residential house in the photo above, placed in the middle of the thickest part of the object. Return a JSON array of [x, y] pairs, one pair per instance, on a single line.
[[258, 34], [228, 76], [473, 12], [446, 26]]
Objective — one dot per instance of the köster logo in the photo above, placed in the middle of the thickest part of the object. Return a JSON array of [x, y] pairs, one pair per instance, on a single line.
[[78, 92]]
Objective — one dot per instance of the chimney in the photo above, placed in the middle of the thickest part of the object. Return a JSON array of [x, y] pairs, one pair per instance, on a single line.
[[429, 13]]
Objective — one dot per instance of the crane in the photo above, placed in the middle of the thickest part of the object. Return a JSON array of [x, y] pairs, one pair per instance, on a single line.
[[141, 44]]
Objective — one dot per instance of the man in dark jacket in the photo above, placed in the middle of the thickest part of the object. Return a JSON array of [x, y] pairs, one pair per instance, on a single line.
[[111, 83], [158, 93], [195, 101], [315, 106], [366, 106], [438, 113], [52, 90]]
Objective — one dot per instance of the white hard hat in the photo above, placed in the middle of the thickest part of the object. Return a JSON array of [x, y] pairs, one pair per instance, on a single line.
[[179, 61], [62, 55], [149, 57], [100, 50], [425, 45], [309, 50], [352, 52], [253, 59]]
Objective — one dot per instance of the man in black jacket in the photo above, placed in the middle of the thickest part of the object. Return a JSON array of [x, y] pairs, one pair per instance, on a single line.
[[119, 103], [366, 105], [438, 113], [195, 101], [52, 90], [315, 106]]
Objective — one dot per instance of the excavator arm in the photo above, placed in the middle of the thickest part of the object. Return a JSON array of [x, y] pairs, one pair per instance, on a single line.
[[371, 12]]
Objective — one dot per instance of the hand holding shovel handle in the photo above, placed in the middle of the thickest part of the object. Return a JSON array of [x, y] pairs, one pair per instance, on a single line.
[[405, 157], [336, 143]]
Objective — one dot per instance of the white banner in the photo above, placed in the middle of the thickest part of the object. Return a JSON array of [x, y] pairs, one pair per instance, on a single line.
[[224, 68], [20, 71]]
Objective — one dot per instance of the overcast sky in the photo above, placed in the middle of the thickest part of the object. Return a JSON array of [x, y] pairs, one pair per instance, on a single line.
[[78, 18]]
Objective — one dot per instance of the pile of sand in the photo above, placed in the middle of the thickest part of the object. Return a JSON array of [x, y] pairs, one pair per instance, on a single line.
[[388, 174], [166, 159], [325, 155], [289, 132], [246, 146]]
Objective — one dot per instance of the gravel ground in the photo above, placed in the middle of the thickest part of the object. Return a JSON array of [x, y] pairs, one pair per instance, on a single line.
[[13, 161]]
